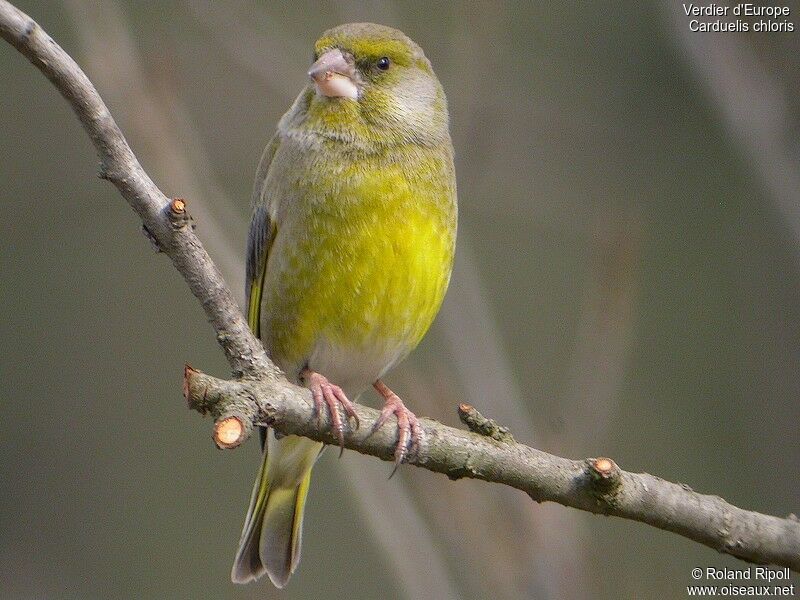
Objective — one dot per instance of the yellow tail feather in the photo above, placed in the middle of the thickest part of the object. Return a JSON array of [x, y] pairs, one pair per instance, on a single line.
[[273, 529]]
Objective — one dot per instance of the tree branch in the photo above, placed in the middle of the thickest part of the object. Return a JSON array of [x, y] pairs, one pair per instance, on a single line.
[[594, 485], [260, 394]]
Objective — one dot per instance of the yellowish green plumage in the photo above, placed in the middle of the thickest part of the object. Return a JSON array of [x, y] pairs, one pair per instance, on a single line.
[[350, 249], [382, 249]]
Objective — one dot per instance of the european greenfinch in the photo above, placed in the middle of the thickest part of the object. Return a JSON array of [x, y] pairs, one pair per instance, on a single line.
[[349, 255]]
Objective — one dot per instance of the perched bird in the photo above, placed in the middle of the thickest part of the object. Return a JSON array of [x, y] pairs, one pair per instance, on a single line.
[[349, 255]]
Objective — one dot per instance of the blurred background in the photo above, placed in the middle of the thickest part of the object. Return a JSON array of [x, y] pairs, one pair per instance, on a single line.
[[627, 284]]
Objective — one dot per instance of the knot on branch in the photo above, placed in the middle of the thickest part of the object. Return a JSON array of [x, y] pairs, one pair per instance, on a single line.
[[232, 407], [479, 424], [28, 31]]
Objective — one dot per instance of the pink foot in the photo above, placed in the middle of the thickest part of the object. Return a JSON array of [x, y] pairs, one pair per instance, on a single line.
[[409, 431], [327, 394]]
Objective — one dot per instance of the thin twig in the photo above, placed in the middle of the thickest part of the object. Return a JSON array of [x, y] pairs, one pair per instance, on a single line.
[[260, 394]]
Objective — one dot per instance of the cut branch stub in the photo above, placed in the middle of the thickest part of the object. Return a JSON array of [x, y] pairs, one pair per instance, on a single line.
[[230, 431], [233, 415], [605, 479], [178, 205], [604, 472], [178, 215]]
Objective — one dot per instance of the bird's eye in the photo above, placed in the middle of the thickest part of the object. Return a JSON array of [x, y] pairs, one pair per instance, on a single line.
[[383, 63]]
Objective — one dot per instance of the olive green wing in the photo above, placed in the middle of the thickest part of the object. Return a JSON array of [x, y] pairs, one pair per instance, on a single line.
[[259, 238], [272, 532]]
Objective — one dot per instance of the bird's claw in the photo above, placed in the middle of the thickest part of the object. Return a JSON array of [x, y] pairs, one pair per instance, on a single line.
[[328, 395], [409, 430]]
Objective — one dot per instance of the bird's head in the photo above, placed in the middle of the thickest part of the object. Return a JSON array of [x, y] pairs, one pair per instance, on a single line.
[[371, 83]]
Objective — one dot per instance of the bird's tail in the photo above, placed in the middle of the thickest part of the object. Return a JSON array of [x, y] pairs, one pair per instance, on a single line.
[[273, 527]]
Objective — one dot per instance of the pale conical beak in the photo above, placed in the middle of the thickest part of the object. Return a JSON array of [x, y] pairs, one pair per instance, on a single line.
[[334, 76]]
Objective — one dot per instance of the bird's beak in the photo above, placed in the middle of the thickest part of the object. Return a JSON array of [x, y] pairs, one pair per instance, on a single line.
[[334, 76]]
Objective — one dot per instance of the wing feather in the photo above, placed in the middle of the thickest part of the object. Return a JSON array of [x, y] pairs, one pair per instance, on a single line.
[[259, 239]]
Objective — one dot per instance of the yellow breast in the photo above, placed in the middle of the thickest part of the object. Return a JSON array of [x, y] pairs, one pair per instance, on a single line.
[[360, 264]]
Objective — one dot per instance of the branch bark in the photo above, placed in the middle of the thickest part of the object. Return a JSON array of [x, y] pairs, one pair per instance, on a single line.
[[259, 394]]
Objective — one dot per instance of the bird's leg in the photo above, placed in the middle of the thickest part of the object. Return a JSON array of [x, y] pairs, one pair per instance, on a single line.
[[327, 394], [409, 431]]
